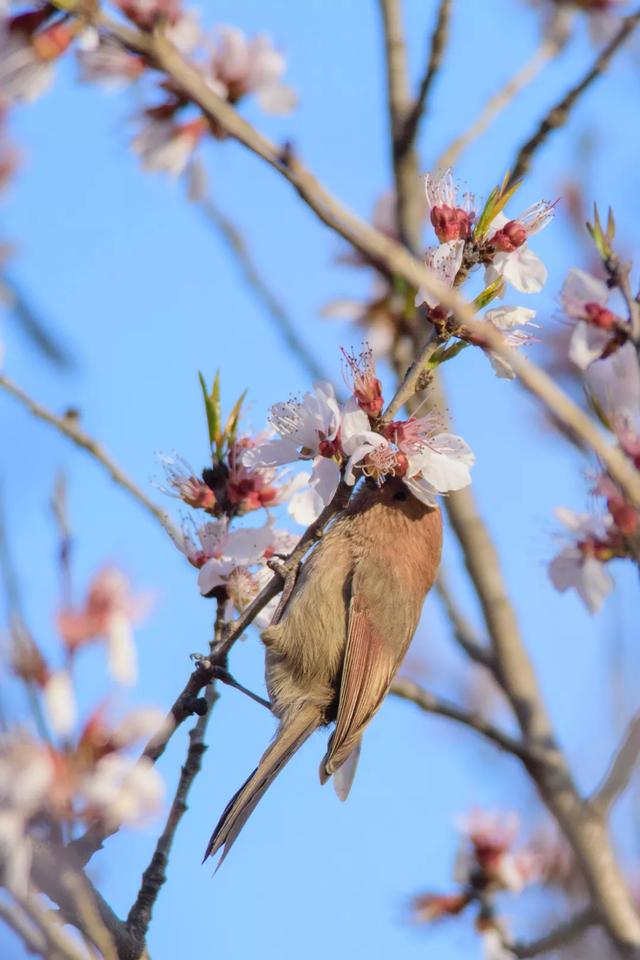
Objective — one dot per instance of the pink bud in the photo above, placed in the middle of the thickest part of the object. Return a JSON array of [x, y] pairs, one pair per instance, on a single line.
[[450, 223], [510, 237], [599, 316]]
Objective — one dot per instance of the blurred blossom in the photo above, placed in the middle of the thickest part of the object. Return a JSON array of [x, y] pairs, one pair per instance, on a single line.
[[615, 384], [241, 66], [110, 66], [486, 857], [580, 565], [167, 147], [109, 612], [584, 300]]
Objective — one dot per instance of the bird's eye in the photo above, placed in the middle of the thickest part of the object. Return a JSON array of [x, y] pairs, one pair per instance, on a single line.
[[400, 495]]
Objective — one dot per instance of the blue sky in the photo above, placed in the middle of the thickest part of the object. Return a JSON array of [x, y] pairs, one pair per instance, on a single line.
[[145, 294]]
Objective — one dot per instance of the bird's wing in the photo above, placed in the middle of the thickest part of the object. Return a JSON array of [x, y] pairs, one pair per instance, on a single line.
[[371, 658]]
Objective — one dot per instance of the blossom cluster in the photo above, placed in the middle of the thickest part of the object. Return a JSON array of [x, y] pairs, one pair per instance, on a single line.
[[487, 862], [83, 773], [349, 440], [468, 238], [602, 349], [168, 131]]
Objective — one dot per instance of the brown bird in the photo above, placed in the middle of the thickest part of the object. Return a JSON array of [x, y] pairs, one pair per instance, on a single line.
[[342, 636]]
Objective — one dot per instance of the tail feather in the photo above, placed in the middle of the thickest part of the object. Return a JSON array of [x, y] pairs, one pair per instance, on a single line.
[[289, 738]]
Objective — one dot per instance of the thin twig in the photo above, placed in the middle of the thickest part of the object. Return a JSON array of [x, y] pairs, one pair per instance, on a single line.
[[412, 691], [558, 115], [71, 429], [388, 255], [560, 937], [547, 50], [439, 39], [31, 936], [463, 631], [574, 420], [258, 285], [405, 162], [57, 873], [620, 770], [412, 380], [59, 943], [155, 875]]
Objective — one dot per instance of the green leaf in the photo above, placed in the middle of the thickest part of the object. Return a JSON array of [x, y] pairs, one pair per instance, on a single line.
[[496, 201], [445, 353], [212, 410], [489, 293], [231, 426]]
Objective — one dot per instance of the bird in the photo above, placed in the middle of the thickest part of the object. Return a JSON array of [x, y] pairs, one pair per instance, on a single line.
[[341, 638]]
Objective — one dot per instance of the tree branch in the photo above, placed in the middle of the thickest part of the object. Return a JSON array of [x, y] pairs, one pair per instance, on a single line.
[[574, 420], [559, 112], [154, 877], [410, 690], [388, 255], [463, 631], [256, 283], [408, 134], [31, 936], [560, 937], [405, 162], [621, 769], [548, 49], [71, 429]]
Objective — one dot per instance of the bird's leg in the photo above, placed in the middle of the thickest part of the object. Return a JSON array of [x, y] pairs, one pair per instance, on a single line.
[[219, 672]]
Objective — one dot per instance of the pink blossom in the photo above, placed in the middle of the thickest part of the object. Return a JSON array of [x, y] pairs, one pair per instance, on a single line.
[[241, 66], [584, 299], [445, 261], [580, 565], [509, 321], [110, 66], [513, 259], [360, 375], [487, 854], [108, 613], [615, 385], [450, 220], [166, 147]]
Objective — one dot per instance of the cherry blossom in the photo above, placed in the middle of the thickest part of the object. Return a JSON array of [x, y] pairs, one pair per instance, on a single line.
[[615, 385], [450, 220], [222, 550], [584, 300], [513, 259], [122, 791], [580, 565], [110, 66], [241, 66], [360, 375], [486, 855], [109, 613], [305, 428], [509, 321], [165, 146], [445, 261], [27, 55], [429, 462]]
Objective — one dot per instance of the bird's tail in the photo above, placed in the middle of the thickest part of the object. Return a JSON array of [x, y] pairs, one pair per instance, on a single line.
[[289, 738]]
